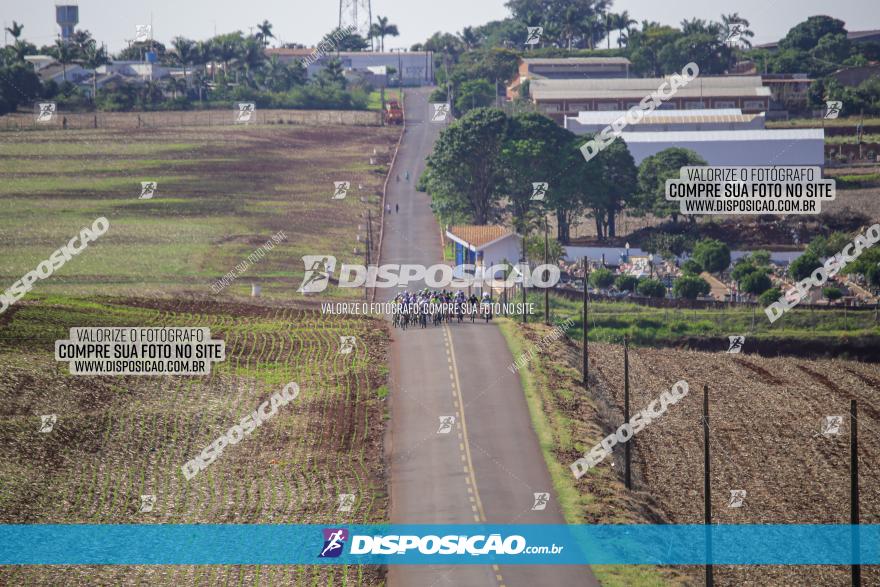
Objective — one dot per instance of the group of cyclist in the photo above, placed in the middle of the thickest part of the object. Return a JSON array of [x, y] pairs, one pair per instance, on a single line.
[[436, 307]]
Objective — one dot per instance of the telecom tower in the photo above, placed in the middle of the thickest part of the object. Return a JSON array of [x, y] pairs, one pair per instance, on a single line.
[[357, 14]]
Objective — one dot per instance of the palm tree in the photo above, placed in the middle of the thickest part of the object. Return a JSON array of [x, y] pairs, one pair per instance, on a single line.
[[265, 33], [185, 53], [728, 20], [82, 40], [15, 31], [570, 23], [252, 57], [65, 53], [93, 58], [469, 38], [226, 48], [622, 22], [381, 28]]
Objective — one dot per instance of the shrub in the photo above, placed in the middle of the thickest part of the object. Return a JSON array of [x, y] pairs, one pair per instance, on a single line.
[[690, 287], [626, 282], [601, 278], [651, 288], [832, 293], [760, 258], [712, 255], [770, 296], [873, 276], [803, 266], [691, 267], [756, 282]]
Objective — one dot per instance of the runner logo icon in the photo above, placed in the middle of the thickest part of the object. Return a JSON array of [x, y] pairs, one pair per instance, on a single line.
[[541, 501], [318, 271], [334, 542], [539, 190], [736, 344]]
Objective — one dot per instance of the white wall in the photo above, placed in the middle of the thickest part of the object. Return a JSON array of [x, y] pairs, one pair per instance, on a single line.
[[507, 248], [613, 254]]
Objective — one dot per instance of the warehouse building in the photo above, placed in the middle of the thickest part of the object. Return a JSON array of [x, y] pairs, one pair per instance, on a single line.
[[667, 120], [559, 98], [802, 146], [567, 68]]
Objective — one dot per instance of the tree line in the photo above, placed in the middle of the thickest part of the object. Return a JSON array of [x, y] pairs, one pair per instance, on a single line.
[[484, 165], [223, 68]]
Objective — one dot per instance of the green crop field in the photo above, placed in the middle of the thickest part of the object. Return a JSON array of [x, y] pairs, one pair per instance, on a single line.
[[609, 321], [118, 438]]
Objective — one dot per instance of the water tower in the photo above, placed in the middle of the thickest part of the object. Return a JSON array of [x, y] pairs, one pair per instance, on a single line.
[[357, 14], [67, 17]]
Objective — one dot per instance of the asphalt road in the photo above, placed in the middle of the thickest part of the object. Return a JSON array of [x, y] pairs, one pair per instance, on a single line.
[[489, 465]]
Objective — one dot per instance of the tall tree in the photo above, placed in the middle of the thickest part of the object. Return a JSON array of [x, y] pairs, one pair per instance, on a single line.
[[533, 150], [621, 23], [264, 33], [185, 53], [617, 187], [464, 173], [735, 23], [381, 29], [470, 38], [65, 53], [94, 58], [652, 176], [15, 31]]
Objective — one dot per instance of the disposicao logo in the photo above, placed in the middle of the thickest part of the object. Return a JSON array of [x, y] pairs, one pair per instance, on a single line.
[[320, 268], [334, 542]]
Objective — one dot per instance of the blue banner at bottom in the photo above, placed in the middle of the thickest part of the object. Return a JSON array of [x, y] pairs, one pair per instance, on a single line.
[[532, 544]]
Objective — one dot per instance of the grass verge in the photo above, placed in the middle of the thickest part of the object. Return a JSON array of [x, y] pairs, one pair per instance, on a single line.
[[561, 415]]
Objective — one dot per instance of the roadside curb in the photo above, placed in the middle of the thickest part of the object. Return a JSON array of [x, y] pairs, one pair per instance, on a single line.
[[385, 187]]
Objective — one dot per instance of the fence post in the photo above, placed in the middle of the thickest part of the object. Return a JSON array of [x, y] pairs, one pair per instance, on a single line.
[[854, 489], [707, 488], [627, 455], [525, 260]]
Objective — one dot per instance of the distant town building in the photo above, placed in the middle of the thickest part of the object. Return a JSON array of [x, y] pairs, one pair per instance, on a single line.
[[560, 98], [789, 93], [871, 36], [411, 68], [567, 68], [854, 76]]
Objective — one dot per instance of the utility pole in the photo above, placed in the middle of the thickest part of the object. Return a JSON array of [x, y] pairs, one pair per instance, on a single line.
[[854, 489], [524, 313], [707, 488], [586, 302], [546, 289], [627, 447], [369, 246]]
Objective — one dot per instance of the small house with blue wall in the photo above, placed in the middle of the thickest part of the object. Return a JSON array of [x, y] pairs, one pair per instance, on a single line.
[[485, 245]]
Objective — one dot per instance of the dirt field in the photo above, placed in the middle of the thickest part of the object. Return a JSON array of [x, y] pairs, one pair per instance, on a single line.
[[765, 435], [118, 438], [171, 119], [221, 193]]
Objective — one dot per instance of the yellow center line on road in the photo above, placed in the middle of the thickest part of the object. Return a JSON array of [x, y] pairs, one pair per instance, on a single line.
[[456, 383]]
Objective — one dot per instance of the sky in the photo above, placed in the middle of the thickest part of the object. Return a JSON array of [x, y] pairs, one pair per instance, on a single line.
[[113, 22]]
